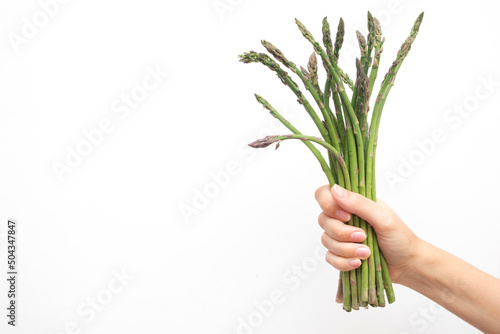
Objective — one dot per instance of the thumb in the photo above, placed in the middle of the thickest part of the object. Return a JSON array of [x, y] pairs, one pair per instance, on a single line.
[[361, 206]]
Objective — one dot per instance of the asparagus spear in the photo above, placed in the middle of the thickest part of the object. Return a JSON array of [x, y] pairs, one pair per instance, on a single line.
[[269, 140], [339, 123], [371, 42], [334, 56], [311, 147], [363, 47], [379, 41], [378, 268], [387, 84]]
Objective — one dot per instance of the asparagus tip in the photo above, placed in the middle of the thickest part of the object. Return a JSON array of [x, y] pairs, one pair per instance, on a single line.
[[264, 142], [262, 101], [304, 31], [249, 57]]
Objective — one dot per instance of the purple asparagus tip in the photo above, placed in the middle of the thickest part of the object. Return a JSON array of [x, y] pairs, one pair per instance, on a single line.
[[264, 142]]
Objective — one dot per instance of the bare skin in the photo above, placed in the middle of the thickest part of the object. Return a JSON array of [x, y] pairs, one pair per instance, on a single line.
[[451, 282]]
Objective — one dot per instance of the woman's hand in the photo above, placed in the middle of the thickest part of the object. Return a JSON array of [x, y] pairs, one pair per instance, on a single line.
[[397, 242], [449, 281]]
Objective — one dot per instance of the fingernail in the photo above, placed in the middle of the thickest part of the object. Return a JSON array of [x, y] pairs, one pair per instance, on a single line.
[[358, 236], [340, 191], [342, 215], [362, 252], [354, 263]]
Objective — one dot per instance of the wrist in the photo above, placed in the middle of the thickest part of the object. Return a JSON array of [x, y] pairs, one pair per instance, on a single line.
[[419, 264]]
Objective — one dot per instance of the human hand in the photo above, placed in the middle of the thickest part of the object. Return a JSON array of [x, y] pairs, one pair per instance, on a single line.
[[397, 242]]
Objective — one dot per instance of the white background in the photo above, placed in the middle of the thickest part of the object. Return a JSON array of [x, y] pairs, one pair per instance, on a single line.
[[119, 209]]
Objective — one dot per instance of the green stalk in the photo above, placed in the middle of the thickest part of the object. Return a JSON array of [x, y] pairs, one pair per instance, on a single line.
[[378, 273], [339, 130], [326, 100], [339, 298], [311, 147], [372, 297], [322, 103], [340, 118], [346, 291], [389, 290]]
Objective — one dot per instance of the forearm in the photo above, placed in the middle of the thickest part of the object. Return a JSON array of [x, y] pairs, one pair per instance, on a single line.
[[456, 285]]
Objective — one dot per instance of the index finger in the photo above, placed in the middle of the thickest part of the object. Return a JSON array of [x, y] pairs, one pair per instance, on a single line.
[[328, 206]]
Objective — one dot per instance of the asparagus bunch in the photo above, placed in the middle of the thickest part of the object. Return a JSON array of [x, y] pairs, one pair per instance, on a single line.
[[349, 139]]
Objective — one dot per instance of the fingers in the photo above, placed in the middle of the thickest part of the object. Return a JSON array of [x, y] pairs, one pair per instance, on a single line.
[[341, 263], [325, 200], [348, 250], [378, 215], [340, 231]]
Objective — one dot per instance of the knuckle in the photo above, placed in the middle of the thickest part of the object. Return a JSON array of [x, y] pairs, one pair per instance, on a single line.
[[318, 194], [338, 231], [331, 258], [336, 262], [342, 233], [359, 202], [328, 206]]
